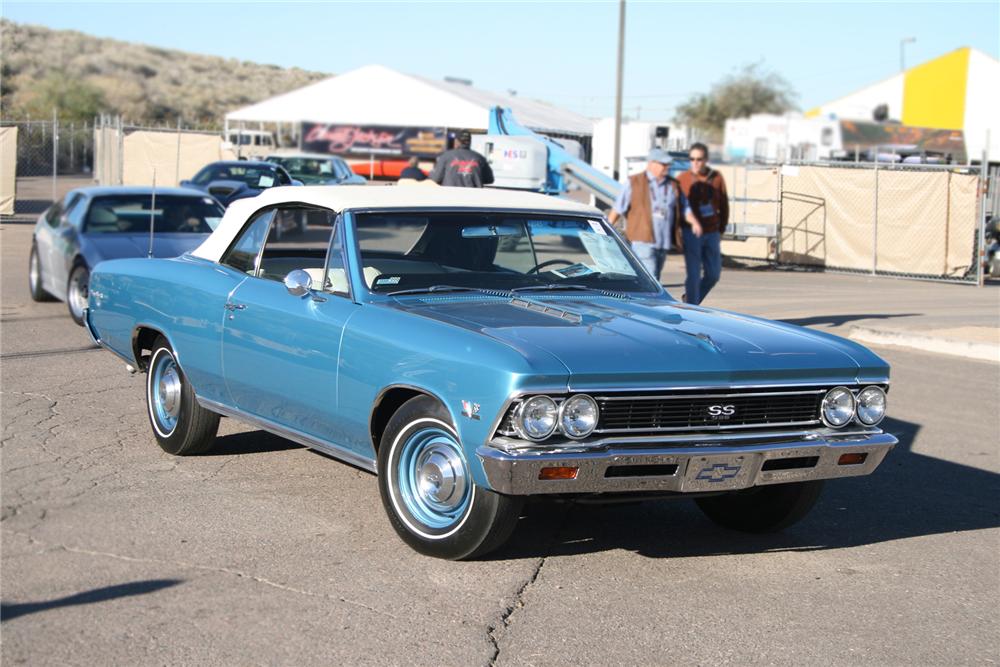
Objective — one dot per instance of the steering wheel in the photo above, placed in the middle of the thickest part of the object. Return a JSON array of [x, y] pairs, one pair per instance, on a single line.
[[538, 267]]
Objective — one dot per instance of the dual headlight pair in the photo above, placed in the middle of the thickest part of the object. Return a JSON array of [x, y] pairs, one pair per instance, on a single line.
[[840, 406], [539, 416]]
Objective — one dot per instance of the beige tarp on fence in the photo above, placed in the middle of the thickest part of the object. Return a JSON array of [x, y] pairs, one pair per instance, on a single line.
[[8, 169], [145, 151], [128, 157], [924, 223]]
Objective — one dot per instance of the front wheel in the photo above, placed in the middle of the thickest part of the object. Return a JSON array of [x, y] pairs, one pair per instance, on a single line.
[[762, 509], [38, 292], [180, 425], [77, 292], [428, 491]]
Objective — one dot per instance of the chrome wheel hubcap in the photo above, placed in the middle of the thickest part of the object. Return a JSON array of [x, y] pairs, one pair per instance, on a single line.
[[78, 294], [169, 392], [165, 390], [441, 477], [432, 481], [33, 270]]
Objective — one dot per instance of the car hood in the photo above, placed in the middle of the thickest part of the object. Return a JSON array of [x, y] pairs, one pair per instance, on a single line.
[[118, 246], [652, 342]]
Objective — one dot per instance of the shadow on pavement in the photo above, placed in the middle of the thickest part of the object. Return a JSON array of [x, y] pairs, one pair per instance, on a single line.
[[251, 442], [837, 320], [11, 611], [909, 495]]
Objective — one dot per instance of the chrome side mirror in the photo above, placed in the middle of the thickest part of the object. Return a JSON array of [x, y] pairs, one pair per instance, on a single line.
[[298, 282]]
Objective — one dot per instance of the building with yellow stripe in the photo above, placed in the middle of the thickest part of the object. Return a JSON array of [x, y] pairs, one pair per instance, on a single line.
[[957, 91]]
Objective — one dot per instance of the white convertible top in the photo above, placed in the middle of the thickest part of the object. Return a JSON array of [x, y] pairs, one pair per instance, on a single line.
[[342, 197]]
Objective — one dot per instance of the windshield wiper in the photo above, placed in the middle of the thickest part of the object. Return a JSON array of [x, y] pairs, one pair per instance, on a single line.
[[448, 288]]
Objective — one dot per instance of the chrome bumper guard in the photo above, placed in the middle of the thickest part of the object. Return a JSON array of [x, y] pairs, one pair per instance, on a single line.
[[626, 466]]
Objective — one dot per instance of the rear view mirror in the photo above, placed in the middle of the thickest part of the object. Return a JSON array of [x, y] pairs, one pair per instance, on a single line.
[[491, 231]]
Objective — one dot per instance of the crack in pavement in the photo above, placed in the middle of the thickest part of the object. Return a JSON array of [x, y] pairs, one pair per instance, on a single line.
[[495, 632], [206, 568], [45, 353]]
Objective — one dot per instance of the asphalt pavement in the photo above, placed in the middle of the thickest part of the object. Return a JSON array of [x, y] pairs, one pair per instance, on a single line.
[[263, 552]]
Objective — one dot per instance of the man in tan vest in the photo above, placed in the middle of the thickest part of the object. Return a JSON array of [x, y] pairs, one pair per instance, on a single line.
[[652, 204]]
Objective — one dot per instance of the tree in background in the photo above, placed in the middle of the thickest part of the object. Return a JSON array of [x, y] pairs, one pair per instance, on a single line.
[[750, 90], [73, 99]]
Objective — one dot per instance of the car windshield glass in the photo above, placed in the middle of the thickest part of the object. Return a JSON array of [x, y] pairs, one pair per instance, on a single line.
[[497, 251], [307, 170], [174, 214], [253, 176]]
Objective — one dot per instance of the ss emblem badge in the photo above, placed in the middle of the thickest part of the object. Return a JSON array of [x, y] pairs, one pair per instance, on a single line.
[[721, 411]]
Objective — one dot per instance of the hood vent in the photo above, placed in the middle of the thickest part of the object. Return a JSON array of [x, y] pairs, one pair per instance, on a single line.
[[536, 307]]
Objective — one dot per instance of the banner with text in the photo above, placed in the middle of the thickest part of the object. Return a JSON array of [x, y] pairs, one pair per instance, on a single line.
[[373, 139]]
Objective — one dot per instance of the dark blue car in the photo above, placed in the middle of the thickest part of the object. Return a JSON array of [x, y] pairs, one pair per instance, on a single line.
[[239, 179]]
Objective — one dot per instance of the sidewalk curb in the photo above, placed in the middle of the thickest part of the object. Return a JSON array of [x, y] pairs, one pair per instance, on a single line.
[[959, 348]]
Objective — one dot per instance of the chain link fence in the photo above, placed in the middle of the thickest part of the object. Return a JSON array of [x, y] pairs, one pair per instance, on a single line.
[[51, 157], [126, 154], [913, 221]]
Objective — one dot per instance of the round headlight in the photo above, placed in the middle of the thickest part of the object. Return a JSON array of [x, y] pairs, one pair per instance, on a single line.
[[537, 417], [871, 405], [578, 416], [838, 406]]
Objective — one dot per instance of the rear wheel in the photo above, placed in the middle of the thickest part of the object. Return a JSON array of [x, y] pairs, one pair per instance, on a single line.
[[38, 292], [77, 292], [428, 491], [180, 425], [762, 509]]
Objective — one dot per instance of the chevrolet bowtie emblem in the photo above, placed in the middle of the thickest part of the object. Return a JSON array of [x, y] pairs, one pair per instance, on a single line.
[[718, 472]]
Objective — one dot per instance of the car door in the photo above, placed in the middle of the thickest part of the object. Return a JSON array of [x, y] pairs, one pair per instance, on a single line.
[[63, 242], [281, 351]]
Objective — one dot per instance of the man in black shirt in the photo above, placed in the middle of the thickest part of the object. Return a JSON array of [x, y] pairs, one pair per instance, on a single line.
[[413, 171], [461, 166]]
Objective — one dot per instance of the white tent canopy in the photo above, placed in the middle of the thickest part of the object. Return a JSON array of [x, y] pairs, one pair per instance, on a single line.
[[377, 95]]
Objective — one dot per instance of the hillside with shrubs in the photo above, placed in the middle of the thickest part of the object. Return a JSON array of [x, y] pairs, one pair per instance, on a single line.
[[83, 76]]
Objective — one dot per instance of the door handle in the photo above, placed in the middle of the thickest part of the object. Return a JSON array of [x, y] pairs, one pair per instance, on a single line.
[[235, 306]]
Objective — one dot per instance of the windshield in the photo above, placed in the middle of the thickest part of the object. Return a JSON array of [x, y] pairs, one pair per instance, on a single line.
[[254, 176], [130, 214], [494, 251], [308, 170]]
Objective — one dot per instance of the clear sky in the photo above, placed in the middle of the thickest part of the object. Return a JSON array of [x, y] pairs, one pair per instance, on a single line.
[[561, 52]]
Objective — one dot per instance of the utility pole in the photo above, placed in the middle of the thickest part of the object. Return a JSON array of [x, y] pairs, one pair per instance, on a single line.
[[618, 86], [902, 45]]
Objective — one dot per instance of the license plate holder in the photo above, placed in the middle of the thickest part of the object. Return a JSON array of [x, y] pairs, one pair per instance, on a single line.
[[719, 473]]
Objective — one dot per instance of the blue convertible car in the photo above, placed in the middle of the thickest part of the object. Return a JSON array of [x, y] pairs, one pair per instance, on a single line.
[[449, 340]]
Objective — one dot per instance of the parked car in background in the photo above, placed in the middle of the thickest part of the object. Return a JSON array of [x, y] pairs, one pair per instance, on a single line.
[[405, 336], [249, 143], [317, 169], [228, 181], [93, 224]]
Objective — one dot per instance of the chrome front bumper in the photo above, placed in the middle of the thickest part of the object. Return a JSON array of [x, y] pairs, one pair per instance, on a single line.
[[735, 463]]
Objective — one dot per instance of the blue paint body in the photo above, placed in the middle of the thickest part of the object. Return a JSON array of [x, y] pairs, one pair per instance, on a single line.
[[319, 367]]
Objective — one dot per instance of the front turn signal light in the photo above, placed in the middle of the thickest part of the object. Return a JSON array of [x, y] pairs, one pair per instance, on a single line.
[[558, 472]]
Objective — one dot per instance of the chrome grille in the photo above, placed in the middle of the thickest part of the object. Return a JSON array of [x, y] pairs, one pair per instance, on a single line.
[[706, 410]]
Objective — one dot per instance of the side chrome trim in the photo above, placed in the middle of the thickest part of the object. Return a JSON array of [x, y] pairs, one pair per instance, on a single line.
[[336, 451]]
